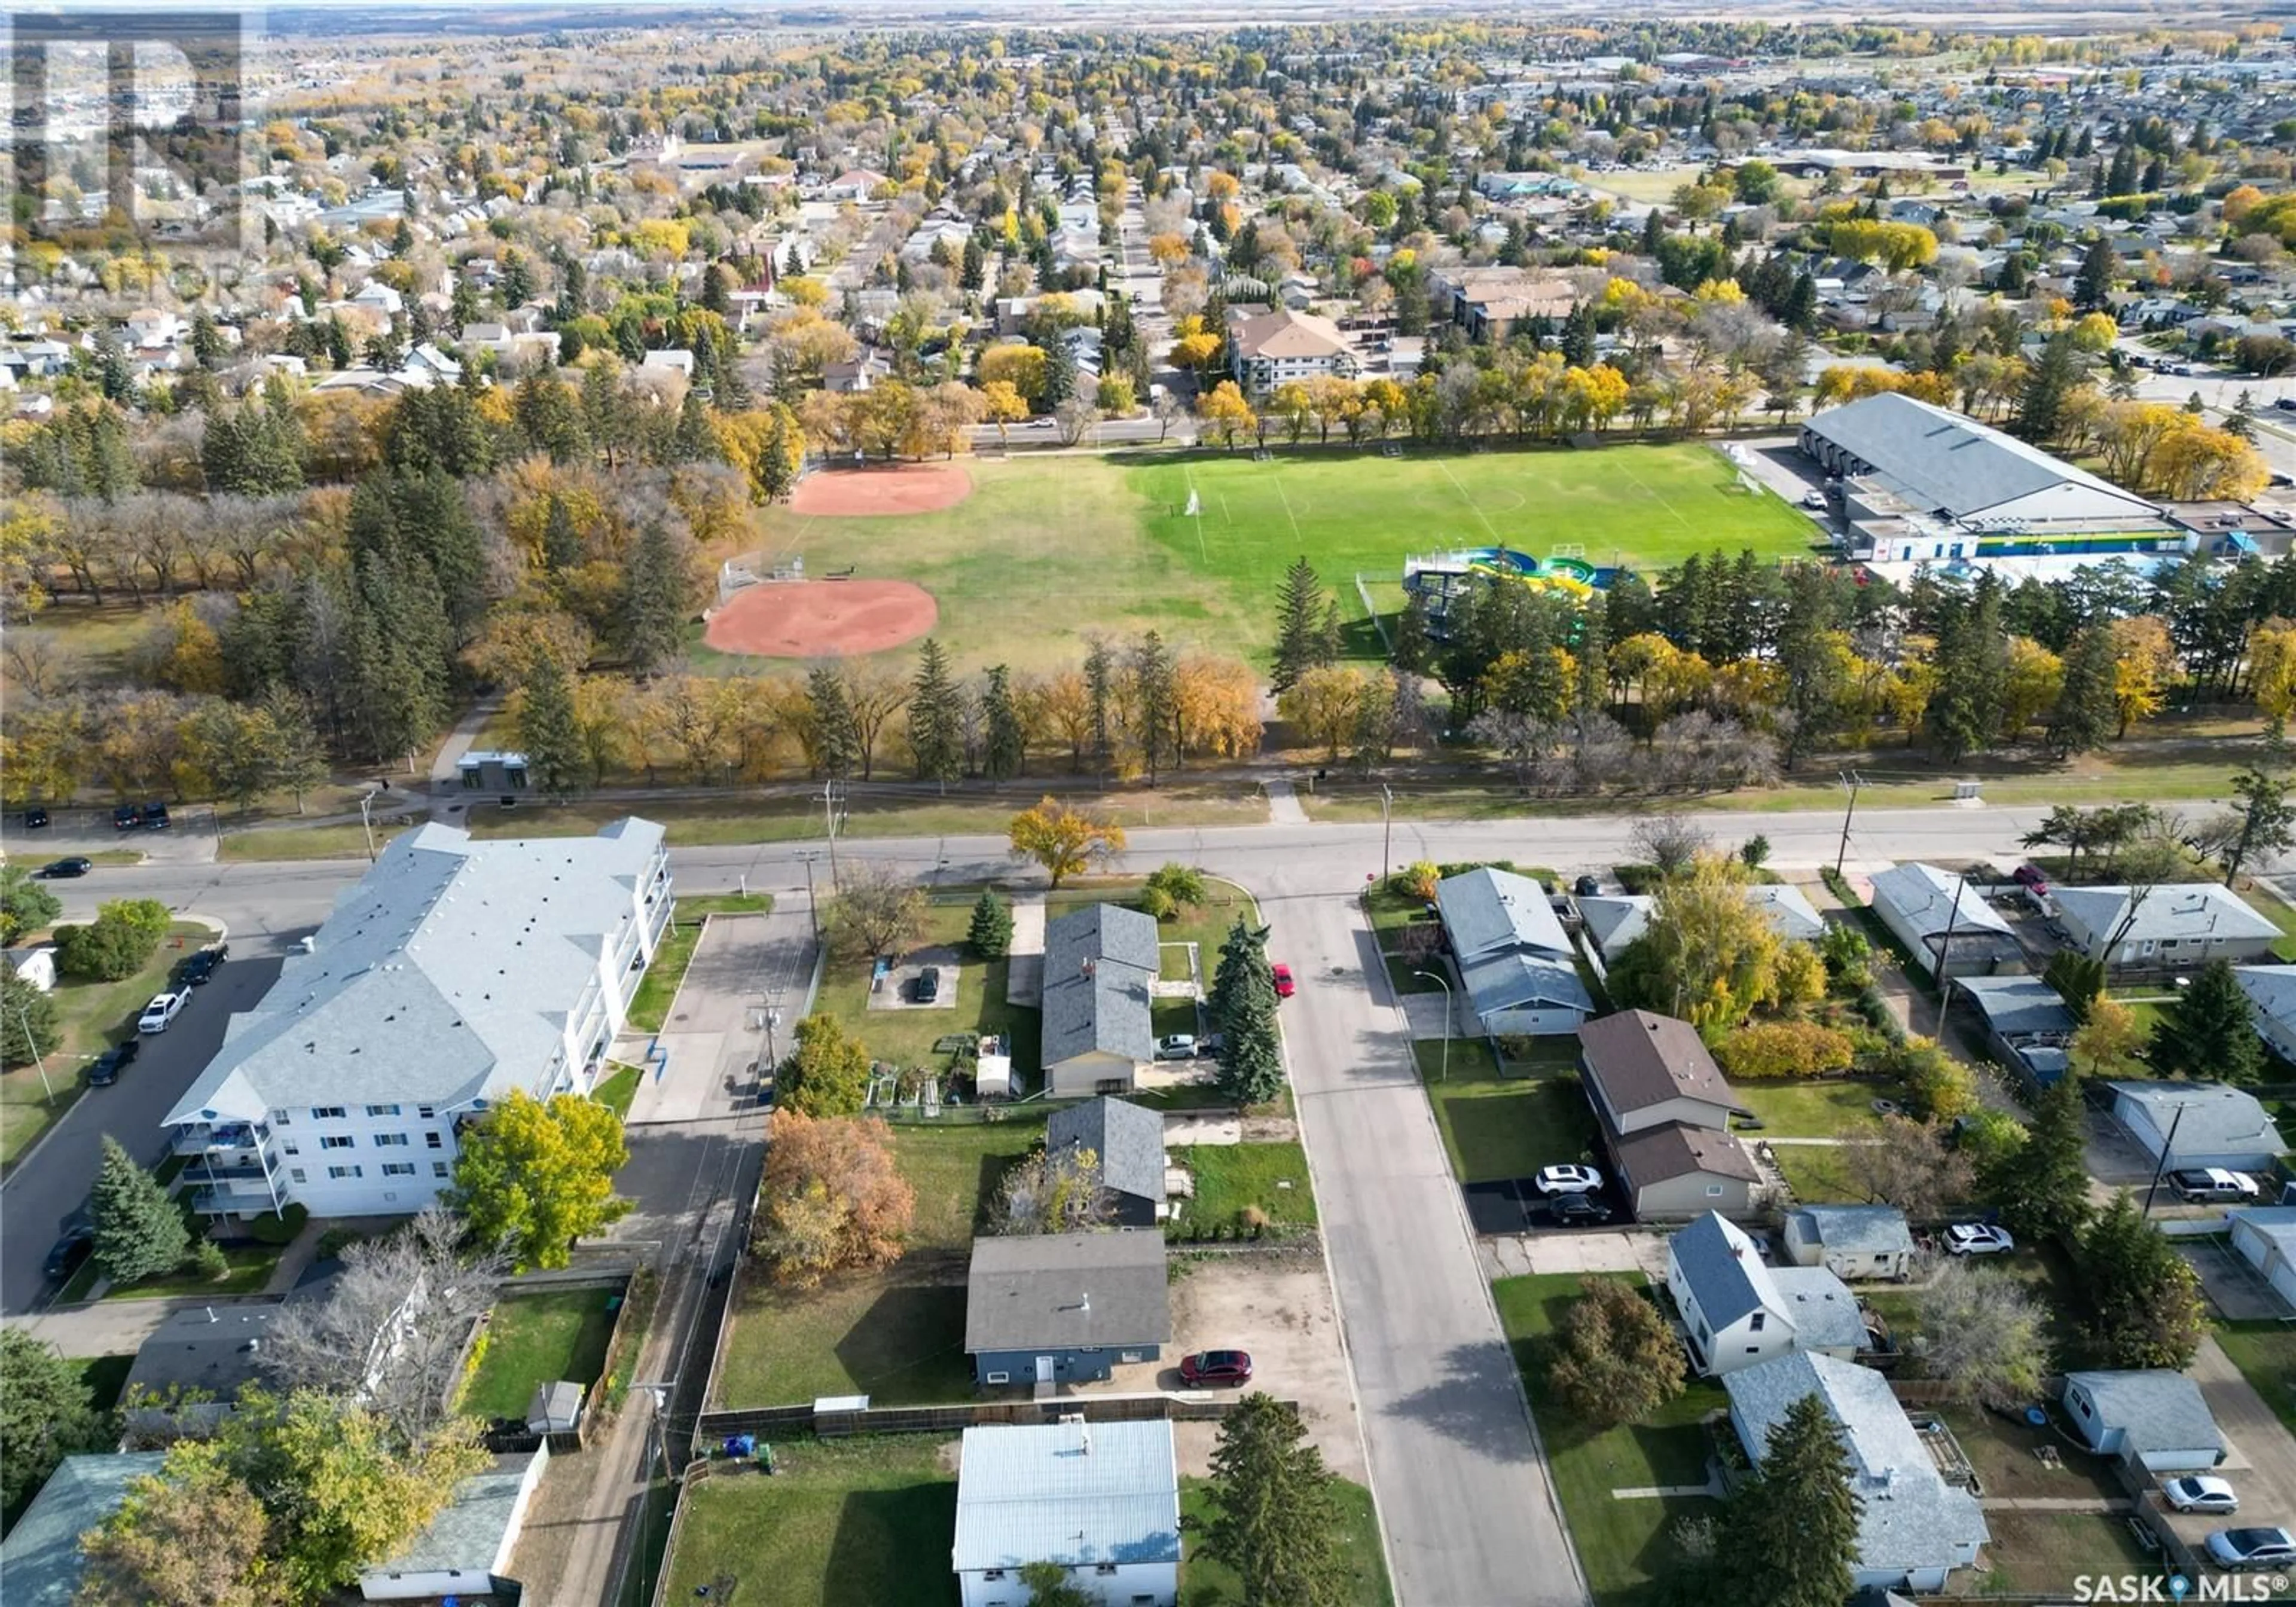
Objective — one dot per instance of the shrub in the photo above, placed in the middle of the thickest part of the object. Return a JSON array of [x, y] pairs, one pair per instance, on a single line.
[[1157, 904], [1783, 1049], [1938, 1087], [282, 1228], [1416, 880], [1636, 879], [1847, 957], [207, 1259], [124, 933]]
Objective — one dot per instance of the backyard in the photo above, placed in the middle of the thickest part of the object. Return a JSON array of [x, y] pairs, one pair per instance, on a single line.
[[1206, 1583], [1623, 1545], [536, 1339], [1496, 1127]]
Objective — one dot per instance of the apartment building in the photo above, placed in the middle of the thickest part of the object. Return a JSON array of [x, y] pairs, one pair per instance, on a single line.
[[457, 970]]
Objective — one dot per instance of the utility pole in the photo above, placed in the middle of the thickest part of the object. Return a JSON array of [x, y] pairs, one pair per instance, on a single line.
[[1386, 828], [38, 1059], [1850, 781], [2167, 1149], [811, 911], [367, 819], [1945, 953], [832, 800]]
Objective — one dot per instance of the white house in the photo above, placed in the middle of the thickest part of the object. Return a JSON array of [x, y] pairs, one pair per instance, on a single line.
[[1101, 1499], [1913, 1528], [1850, 1241], [2188, 924], [1513, 957], [455, 972], [2271, 992], [2151, 1418], [1282, 346], [2182, 1125], [2264, 1237], [1740, 1312], [465, 1550], [37, 966], [1615, 920], [1932, 911]]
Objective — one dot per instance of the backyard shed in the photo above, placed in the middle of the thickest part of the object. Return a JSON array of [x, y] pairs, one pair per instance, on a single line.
[[2149, 1417], [1850, 1241]]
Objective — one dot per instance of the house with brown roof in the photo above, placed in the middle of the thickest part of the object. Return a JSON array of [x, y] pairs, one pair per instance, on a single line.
[[1489, 302], [1664, 1111], [1281, 347]]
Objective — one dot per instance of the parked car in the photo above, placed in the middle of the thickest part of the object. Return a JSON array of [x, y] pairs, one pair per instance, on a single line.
[[36, 819], [161, 1012], [126, 817], [1588, 886], [155, 817], [69, 1252], [1179, 1046], [927, 986], [2251, 1548], [2201, 1493], [1284, 986], [2286, 404], [200, 968], [1815, 501], [105, 1070], [1216, 1369], [1580, 1210], [1567, 1180], [1978, 1238], [59, 870], [2212, 1182], [2031, 878]]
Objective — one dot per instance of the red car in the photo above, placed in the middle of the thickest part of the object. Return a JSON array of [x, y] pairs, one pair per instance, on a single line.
[[1216, 1369], [2031, 876], [1284, 986]]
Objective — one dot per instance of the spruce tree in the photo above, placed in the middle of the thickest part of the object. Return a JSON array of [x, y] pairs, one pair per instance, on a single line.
[[2093, 284], [2053, 376], [1243, 1009], [836, 734], [936, 718], [1155, 700], [653, 601], [562, 543], [549, 733], [2086, 709], [2142, 1298], [298, 758], [2041, 1186], [1275, 1520], [1414, 649], [1099, 698], [990, 934], [1300, 608], [139, 1232], [1005, 751], [2208, 1030], [1791, 1533]]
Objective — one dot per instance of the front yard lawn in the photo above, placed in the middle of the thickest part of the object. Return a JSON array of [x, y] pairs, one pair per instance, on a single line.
[[534, 1339], [956, 1171], [1503, 1127], [906, 1038], [844, 1523], [1812, 1110], [1205, 1583], [1233, 1179], [896, 1335], [1625, 1546]]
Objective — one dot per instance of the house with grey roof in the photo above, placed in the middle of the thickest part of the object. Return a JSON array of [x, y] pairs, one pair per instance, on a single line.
[[1944, 920], [2026, 1024], [1913, 1528], [1056, 1308], [2181, 1125], [465, 1550], [2271, 991], [456, 972], [1100, 963], [2163, 927], [1514, 960], [40, 1560], [204, 1351], [2264, 1237], [1615, 920], [1100, 1500], [1664, 1114], [1850, 1241], [1127, 1141], [2149, 1418], [1739, 1312]]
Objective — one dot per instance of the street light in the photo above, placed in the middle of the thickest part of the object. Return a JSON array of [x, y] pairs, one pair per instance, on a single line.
[[1446, 987], [1386, 828], [38, 1059], [367, 819]]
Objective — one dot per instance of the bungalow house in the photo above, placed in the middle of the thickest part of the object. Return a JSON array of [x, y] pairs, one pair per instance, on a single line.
[[1932, 912], [36, 967], [1053, 1309], [1514, 960], [207, 1352], [1100, 1499], [41, 1557], [1664, 1112], [1740, 1312], [2264, 1237], [1127, 1141], [2271, 992], [2027, 1025], [1850, 1241], [2160, 927], [1099, 964], [1913, 1528], [2180, 1124], [465, 1550], [2150, 1418], [854, 184], [1615, 920]]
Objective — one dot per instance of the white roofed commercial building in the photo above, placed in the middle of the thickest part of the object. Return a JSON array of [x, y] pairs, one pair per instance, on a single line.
[[456, 972]]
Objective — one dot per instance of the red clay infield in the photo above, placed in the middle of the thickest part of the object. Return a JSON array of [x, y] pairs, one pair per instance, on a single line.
[[888, 489], [821, 618]]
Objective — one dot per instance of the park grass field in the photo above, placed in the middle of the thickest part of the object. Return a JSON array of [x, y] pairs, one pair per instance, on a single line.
[[1050, 551]]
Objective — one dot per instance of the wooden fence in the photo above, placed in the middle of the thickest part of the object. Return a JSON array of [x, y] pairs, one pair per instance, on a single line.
[[717, 1426]]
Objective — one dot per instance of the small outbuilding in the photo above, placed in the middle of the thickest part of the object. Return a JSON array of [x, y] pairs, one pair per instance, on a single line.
[[2026, 1024], [34, 967], [2264, 1237], [556, 1407], [466, 1549], [1850, 1241], [2149, 1418], [2271, 991], [2183, 1125], [1944, 920]]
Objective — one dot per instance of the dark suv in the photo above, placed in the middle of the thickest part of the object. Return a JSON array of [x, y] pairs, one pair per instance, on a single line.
[[105, 1070], [928, 985]]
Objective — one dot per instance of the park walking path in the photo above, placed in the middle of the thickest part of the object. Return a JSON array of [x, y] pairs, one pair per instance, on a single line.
[[1284, 806]]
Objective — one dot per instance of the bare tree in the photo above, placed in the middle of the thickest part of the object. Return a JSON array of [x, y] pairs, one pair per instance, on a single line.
[[1668, 841], [1053, 1192], [391, 1330], [876, 911], [1907, 1164], [1073, 417], [1982, 1329]]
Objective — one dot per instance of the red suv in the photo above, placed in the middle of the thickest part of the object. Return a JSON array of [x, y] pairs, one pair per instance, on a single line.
[[2029, 876], [1216, 1369]]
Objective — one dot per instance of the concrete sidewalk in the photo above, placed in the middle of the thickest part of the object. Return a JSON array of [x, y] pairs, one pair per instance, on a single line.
[[1024, 970]]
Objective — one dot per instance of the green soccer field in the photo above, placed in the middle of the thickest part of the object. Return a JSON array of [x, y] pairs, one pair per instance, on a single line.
[[1049, 550]]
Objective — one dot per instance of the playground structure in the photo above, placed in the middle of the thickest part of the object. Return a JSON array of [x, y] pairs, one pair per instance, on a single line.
[[1437, 578]]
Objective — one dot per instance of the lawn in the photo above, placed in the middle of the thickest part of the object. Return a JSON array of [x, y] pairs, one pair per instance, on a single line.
[[956, 1171], [1811, 1110], [2276, 910], [1102, 545], [267, 843], [2038, 1555], [534, 1339], [1233, 1179], [658, 988], [1818, 1174], [845, 1523], [897, 1336], [699, 823], [2265, 1354], [906, 1038], [617, 1088], [92, 1016], [1624, 1546], [1497, 1127], [1205, 1583]]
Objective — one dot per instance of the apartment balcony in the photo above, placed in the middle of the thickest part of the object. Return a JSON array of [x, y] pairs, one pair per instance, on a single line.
[[221, 1138]]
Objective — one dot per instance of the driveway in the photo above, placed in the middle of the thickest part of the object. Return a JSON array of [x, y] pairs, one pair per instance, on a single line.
[[2261, 1462], [743, 966]]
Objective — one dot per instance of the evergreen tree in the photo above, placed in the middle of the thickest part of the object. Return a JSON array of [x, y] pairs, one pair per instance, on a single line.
[[139, 1232], [1275, 1520], [936, 716], [2093, 284], [836, 734], [1300, 641], [2141, 1299], [114, 377], [549, 733], [2208, 1030], [207, 339], [694, 441], [1155, 699], [298, 759], [1241, 1006], [2055, 374], [1006, 749], [47, 1414], [1099, 698], [1791, 1531], [653, 601], [990, 935], [562, 543], [2041, 1186], [1062, 377], [1415, 649], [517, 281], [28, 1028], [1963, 715], [2086, 710]]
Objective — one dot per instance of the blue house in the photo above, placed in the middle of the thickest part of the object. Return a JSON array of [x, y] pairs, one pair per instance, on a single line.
[[1056, 1308]]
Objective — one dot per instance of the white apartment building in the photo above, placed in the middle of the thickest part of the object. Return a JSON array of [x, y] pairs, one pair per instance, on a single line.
[[457, 970]]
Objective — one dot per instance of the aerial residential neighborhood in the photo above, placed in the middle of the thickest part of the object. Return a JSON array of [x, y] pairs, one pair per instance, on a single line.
[[999, 807]]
